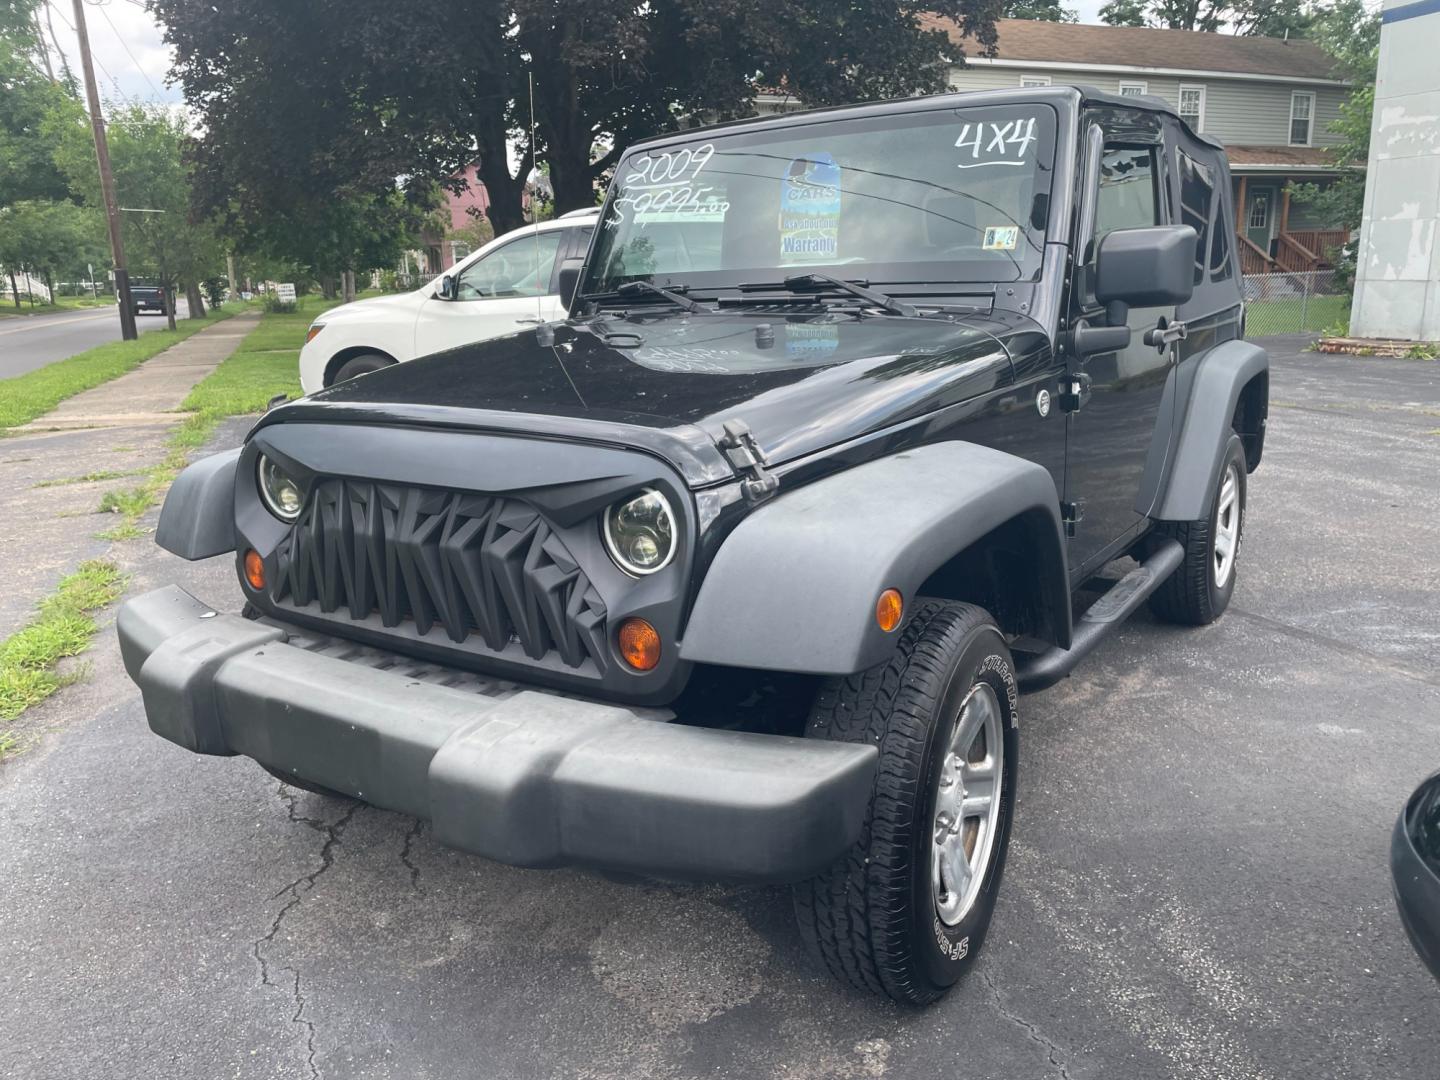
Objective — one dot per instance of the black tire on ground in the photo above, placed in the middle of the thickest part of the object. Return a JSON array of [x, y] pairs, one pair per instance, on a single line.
[[873, 919], [1192, 596], [305, 785], [360, 365]]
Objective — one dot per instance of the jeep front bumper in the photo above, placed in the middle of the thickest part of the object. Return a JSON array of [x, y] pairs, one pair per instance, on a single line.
[[520, 776]]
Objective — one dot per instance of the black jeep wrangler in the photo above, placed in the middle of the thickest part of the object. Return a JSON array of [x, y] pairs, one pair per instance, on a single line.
[[738, 572]]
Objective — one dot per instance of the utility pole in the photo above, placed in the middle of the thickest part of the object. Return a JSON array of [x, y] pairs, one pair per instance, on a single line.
[[107, 181]]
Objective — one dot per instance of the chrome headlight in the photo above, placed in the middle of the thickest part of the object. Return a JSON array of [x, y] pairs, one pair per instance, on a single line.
[[280, 492], [640, 533]]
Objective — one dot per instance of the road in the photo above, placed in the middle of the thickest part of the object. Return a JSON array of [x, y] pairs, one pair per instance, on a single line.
[[1198, 888], [32, 342]]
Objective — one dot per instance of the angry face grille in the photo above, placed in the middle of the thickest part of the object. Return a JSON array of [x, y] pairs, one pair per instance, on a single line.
[[450, 561]]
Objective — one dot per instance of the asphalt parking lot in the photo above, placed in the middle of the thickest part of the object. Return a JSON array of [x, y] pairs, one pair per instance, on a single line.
[[1198, 885]]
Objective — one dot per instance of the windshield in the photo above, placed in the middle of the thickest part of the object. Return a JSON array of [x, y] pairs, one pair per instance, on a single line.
[[944, 195]]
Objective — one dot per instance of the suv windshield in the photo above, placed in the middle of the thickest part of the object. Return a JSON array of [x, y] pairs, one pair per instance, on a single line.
[[941, 195]]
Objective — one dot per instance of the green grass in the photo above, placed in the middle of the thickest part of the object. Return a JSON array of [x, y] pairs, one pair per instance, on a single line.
[[35, 393], [63, 626], [1284, 316], [265, 364], [87, 478], [65, 303]]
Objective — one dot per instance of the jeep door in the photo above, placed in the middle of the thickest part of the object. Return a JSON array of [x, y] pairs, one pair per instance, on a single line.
[[507, 289], [1109, 435]]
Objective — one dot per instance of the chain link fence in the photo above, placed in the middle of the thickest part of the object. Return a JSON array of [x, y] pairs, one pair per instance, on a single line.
[[1307, 302]]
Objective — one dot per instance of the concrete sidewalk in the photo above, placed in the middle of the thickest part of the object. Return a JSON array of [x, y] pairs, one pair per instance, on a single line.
[[48, 514]]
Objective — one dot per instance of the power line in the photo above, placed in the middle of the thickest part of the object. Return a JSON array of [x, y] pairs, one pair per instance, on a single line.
[[128, 53]]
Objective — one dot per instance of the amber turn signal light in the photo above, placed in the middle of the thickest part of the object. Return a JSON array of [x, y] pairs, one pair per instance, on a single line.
[[888, 610], [310, 334], [255, 570], [639, 644]]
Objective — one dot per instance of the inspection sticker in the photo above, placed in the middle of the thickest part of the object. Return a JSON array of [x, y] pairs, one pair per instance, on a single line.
[[1001, 238]]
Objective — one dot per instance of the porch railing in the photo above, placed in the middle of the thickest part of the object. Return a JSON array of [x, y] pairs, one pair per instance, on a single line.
[[1325, 243]]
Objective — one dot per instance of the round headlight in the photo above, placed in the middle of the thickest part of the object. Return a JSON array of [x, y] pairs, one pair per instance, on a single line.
[[281, 493], [640, 533]]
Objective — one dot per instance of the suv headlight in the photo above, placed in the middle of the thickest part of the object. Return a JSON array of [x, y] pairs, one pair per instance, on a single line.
[[640, 533], [280, 492]]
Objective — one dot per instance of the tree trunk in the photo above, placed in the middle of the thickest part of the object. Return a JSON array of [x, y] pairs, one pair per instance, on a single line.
[[167, 300], [506, 210], [327, 286], [195, 299], [564, 132], [15, 290], [347, 280], [50, 284]]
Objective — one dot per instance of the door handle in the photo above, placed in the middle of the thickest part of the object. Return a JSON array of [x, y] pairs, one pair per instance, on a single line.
[[1165, 333]]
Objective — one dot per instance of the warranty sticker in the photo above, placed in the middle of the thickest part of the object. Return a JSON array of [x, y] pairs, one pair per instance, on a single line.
[[1001, 237]]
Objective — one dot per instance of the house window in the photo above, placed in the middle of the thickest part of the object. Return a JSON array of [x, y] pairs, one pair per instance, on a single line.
[[1192, 106], [1260, 211], [1133, 89], [1302, 117], [1034, 80]]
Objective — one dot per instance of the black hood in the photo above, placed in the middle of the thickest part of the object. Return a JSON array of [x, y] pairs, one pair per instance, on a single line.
[[667, 382]]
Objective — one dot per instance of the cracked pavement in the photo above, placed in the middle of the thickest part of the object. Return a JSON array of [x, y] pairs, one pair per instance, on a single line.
[[1198, 886]]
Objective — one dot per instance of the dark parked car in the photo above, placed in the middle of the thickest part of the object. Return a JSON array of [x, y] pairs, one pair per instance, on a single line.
[[739, 572], [1415, 866], [147, 298]]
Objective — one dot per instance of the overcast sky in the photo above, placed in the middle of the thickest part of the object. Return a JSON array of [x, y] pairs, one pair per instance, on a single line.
[[131, 61]]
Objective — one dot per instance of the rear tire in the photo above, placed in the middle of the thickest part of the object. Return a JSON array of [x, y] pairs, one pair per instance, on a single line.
[[905, 912], [360, 365], [1199, 591]]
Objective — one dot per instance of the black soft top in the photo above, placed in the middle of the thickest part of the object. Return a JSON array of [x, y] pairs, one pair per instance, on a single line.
[[1062, 97]]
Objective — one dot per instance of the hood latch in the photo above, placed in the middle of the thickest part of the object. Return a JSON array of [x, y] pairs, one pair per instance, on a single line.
[[748, 461]]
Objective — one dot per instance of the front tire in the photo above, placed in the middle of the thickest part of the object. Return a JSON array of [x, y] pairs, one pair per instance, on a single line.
[[904, 913], [360, 365], [1200, 589]]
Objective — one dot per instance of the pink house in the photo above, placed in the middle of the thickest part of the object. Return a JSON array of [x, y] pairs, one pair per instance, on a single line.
[[440, 254], [470, 202]]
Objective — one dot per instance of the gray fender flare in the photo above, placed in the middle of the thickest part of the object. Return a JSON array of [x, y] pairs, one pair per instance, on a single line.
[[198, 517], [794, 587], [1221, 374]]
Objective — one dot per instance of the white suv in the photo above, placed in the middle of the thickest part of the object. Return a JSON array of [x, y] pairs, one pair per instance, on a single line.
[[510, 283]]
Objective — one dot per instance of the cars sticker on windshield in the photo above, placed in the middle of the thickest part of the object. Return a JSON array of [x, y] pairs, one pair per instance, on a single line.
[[810, 210], [1001, 238], [995, 142]]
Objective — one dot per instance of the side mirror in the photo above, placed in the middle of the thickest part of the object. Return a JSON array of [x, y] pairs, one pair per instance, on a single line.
[[569, 279], [1147, 267], [446, 290]]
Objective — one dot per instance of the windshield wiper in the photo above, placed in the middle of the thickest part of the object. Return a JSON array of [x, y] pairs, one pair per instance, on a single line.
[[880, 300], [632, 288]]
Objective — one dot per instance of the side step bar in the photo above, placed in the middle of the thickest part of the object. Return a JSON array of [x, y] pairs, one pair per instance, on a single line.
[[1041, 670]]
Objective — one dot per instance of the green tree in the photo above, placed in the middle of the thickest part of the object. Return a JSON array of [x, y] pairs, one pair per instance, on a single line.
[[43, 238], [1350, 34], [309, 100], [1265, 18], [1041, 11], [163, 241], [27, 97]]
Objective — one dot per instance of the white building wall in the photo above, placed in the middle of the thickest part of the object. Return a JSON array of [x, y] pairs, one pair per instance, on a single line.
[[1397, 285]]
